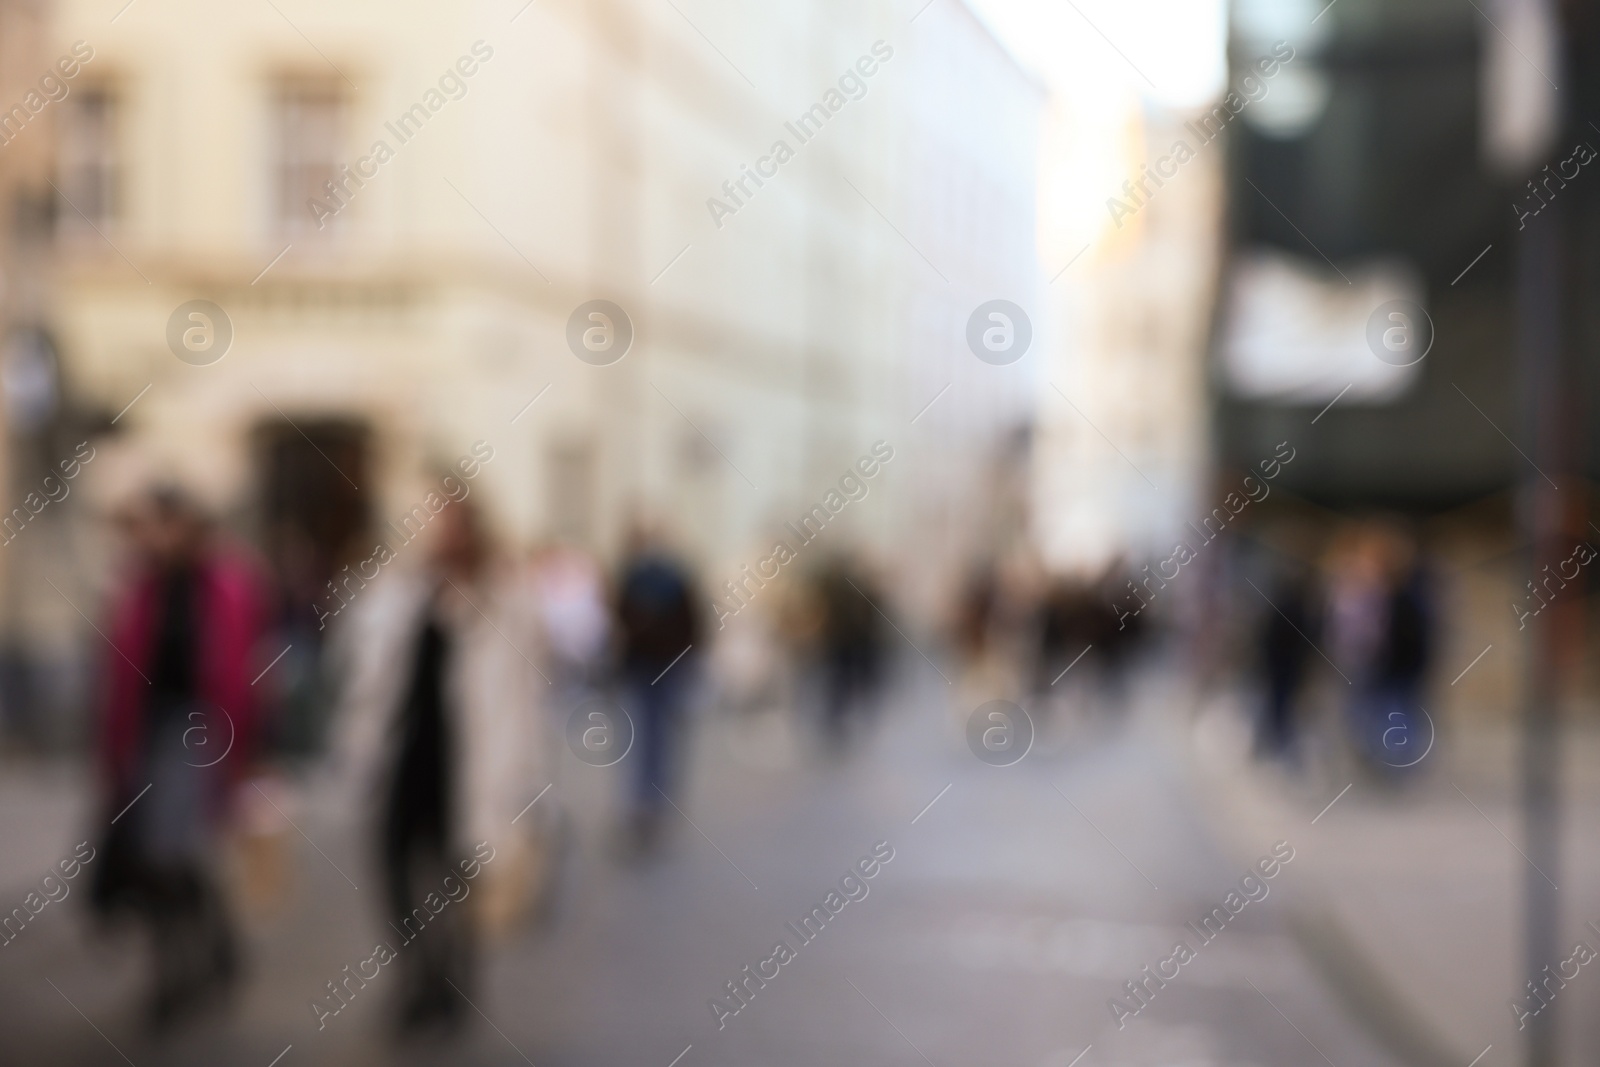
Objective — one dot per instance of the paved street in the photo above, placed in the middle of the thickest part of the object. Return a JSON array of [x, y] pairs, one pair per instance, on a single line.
[[1013, 908]]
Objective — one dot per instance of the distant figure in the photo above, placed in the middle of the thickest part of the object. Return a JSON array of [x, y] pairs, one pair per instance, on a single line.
[[1287, 628], [1403, 658], [975, 610], [658, 621], [571, 592], [1069, 623], [973, 634], [177, 728], [750, 661], [1381, 618], [851, 646], [441, 725], [1122, 638]]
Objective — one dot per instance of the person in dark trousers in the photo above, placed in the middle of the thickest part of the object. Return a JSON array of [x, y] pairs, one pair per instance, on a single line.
[[1399, 734], [1118, 637], [851, 649], [658, 623], [178, 725], [1070, 621], [1287, 628]]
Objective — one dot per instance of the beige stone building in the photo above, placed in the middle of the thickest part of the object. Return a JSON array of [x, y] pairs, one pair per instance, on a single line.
[[423, 307], [395, 209], [35, 76]]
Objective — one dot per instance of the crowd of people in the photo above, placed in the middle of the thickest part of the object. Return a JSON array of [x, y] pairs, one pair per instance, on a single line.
[[1356, 609], [1048, 642], [456, 670], [1370, 609], [449, 678]]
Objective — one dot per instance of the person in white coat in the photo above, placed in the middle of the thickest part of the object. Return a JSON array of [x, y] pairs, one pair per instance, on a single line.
[[441, 717]]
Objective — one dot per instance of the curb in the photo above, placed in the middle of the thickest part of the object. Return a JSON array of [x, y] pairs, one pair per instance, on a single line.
[[1366, 991], [1360, 983]]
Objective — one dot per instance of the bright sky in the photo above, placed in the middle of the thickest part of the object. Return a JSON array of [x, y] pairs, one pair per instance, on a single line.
[[1104, 62], [1171, 51]]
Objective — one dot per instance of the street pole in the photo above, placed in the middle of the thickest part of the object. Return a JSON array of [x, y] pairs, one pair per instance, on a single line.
[[1541, 308]]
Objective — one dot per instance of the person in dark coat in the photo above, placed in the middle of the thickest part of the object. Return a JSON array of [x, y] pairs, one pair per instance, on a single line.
[[1287, 629], [1400, 733], [658, 623], [851, 641]]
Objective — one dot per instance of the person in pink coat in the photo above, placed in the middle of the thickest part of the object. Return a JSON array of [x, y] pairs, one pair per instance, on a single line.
[[178, 724]]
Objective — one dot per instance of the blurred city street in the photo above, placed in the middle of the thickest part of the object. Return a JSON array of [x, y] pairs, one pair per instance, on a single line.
[[694, 533]]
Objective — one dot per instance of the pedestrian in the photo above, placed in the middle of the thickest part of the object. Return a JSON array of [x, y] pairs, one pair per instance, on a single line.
[[851, 646], [1288, 626], [571, 593], [1381, 621], [441, 708], [1068, 625], [1117, 636], [658, 626], [177, 729], [1403, 657]]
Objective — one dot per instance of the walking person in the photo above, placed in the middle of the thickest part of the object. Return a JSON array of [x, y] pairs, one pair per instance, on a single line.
[[177, 728], [1381, 620], [570, 589], [1068, 624], [851, 642], [659, 624], [1287, 629], [441, 707], [1403, 657]]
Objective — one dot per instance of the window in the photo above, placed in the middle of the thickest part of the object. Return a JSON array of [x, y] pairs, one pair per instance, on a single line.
[[90, 170], [308, 132]]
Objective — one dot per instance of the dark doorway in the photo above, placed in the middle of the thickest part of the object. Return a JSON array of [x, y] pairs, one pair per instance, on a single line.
[[315, 508]]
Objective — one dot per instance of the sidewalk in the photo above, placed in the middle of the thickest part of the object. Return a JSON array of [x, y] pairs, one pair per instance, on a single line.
[[1409, 896]]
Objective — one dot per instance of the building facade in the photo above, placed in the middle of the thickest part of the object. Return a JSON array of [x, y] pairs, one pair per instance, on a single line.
[[311, 253]]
